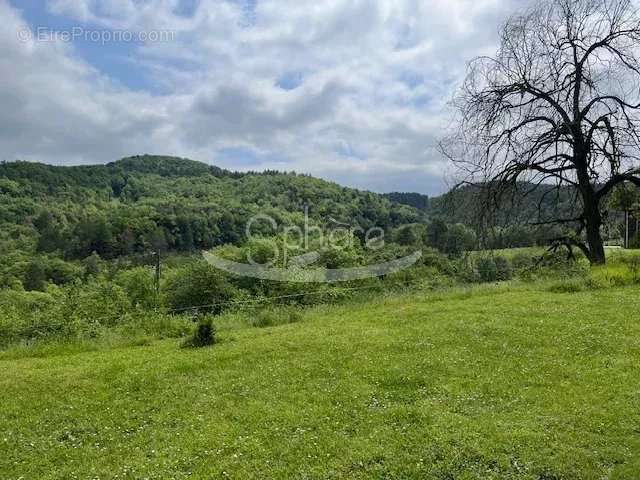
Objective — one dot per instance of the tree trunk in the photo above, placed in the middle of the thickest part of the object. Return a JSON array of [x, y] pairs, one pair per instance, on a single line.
[[593, 221], [592, 215], [594, 241]]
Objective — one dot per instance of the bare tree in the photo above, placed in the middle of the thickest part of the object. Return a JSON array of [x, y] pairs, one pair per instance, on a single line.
[[558, 105]]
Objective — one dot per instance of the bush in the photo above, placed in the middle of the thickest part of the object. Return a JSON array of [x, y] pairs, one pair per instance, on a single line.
[[25, 301], [204, 334], [503, 268], [492, 269], [487, 270], [139, 284], [465, 271], [406, 235], [522, 261], [433, 258], [459, 239], [199, 286]]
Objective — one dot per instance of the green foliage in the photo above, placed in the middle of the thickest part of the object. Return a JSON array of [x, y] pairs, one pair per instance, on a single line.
[[416, 200], [625, 197], [459, 239], [406, 235], [92, 264], [453, 240], [84, 235], [148, 203], [433, 258], [204, 334], [199, 286], [51, 238], [34, 277], [139, 285], [436, 234], [80, 310], [487, 269], [503, 268], [60, 272], [522, 261], [465, 270]]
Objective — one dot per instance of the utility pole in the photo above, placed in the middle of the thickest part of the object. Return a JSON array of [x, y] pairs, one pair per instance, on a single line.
[[157, 279], [626, 229]]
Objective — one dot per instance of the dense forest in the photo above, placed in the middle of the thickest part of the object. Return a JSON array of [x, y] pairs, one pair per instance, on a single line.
[[160, 203]]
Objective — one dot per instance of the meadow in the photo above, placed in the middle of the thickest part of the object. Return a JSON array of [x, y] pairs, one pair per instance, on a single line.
[[509, 380]]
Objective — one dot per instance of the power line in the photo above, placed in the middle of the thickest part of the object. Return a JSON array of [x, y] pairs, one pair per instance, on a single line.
[[265, 299]]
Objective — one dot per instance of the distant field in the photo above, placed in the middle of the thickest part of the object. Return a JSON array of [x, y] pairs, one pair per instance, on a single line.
[[492, 383]]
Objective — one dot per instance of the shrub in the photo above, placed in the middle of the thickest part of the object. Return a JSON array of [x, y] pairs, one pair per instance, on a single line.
[[522, 261], [458, 239], [503, 268], [25, 301], [406, 235], [487, 270], [432, 258], [199, 285], [139, 284], [491, 269], [204, 334], [465, 271]]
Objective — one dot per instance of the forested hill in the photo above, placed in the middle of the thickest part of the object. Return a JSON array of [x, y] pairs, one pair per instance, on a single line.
[[527, 203], [415, 200], [148, 202]]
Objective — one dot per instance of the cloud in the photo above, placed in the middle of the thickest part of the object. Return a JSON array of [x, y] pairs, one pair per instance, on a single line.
[[350, 90]]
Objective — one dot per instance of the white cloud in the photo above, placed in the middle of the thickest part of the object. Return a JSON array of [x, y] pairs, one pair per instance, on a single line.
[[374, 79]]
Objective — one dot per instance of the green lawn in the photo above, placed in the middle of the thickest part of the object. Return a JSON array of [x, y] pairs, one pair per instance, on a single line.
[[497, 383]]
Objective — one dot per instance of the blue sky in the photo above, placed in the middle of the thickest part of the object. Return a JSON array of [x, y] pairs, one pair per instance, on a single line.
[[349, 90]]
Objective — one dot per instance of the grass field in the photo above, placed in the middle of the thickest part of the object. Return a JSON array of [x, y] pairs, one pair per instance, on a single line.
[[495, 382]]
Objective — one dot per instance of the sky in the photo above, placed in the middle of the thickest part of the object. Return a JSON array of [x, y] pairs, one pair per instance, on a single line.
[[352, 91]]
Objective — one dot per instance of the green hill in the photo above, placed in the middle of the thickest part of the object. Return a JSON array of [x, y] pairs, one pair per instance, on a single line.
[[527, 203], [142, 203]]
